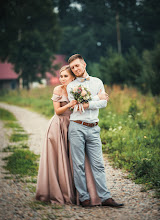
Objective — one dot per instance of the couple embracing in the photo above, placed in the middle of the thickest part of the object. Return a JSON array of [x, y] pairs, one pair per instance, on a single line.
[[71, 169]]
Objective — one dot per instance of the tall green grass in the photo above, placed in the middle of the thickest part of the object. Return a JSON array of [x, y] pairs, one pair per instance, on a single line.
[[130, 135], [38, 100], [130, 128]]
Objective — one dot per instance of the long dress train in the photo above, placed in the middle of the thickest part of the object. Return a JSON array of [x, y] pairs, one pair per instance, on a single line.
[[55, 176]]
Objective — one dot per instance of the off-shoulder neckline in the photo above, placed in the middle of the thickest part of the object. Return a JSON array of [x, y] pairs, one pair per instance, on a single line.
[[61, 95]]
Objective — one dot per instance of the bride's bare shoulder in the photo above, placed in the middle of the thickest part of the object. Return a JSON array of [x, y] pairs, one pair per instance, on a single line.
[[57, 90]]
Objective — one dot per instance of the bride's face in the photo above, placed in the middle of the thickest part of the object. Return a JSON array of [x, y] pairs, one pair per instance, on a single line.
[[65, 77]]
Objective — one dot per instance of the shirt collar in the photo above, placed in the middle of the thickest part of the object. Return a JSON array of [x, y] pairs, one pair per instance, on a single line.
[[79, 78]]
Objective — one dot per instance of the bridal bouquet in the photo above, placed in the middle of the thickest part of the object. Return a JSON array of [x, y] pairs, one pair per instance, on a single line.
[[81, 94]]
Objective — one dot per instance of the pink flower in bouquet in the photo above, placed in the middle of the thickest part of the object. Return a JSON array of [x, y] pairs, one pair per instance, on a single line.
[[79, 90], [83, 93], [75, 89]]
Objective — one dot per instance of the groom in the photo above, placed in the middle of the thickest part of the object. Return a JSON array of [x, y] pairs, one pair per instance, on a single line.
[[84, 135]]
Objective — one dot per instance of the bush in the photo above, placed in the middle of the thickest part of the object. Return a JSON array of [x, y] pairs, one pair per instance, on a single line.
[[113, 68]]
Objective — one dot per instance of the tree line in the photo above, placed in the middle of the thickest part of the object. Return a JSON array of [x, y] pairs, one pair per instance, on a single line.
[[119, 39]]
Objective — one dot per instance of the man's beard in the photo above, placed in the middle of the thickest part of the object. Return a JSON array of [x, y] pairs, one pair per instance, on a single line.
[[82, 74]]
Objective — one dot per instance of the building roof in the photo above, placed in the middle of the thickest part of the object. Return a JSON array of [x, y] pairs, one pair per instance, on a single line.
[[7, 72], [59, 60]]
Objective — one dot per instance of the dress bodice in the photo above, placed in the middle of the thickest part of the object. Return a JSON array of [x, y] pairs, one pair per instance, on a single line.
[[63, 101]]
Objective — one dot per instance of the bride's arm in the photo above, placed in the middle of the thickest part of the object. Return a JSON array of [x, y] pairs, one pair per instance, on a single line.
[[57, 108], [60, 110]]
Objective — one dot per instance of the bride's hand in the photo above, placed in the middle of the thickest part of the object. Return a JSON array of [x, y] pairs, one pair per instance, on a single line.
[[72, 103], [103, 96]]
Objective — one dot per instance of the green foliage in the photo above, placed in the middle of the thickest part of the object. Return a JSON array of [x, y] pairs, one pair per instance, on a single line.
[[93, 69], [6, 115], [38, 100], [133, 67], [12, 148], [113, 68], [132, 70], [96, 24], [150, 77], [133, 143], [22, 162], [15, 137], [156, 70], [133, 109], [30, 36]]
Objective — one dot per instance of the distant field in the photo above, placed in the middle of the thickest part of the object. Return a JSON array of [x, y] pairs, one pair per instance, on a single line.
[[130, 128]]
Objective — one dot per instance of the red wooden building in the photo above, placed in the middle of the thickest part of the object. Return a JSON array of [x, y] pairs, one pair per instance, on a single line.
[[10, 80]]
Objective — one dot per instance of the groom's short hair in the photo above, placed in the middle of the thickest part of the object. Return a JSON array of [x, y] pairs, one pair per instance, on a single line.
[[74, 57]]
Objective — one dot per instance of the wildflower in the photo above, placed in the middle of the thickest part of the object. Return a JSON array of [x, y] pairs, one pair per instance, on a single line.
[[145, 136], [119, 128]]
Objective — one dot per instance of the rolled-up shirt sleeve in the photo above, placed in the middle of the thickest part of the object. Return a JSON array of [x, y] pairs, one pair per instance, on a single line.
[[97, 104]]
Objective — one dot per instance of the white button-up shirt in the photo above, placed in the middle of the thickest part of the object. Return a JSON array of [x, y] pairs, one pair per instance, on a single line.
[[94, 85]]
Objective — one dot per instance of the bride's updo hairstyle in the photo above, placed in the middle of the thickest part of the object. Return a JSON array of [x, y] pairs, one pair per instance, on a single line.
[[67, 68]]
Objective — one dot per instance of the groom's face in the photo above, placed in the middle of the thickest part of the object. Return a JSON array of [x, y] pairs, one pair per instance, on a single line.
[[78, 67]]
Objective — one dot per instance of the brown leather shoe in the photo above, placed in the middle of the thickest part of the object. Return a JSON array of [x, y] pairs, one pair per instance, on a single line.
[[86, 203], [112, 203]]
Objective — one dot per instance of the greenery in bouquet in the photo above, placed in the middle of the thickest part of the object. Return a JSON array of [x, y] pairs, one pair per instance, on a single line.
[[81, 94]]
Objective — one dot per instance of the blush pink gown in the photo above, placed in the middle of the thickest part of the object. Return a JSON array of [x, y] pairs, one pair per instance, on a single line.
[[55, 176]]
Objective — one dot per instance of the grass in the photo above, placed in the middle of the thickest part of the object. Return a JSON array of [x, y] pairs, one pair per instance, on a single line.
[[16, 137], [32, 188], [22, 162], [131, 138], [130, 127], [31, 99], [14, 125], [12, 148], [6, 115], [38, 205]]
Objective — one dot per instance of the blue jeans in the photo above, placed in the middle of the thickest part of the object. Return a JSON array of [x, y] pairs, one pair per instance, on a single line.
[[83, 138]]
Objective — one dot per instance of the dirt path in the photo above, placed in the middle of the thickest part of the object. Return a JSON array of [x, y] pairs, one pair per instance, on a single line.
[[17, 201]]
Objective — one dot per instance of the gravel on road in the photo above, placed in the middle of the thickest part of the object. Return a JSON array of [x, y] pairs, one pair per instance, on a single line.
[[17, 200]]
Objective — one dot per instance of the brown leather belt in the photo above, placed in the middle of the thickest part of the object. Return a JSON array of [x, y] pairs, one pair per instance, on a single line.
[[87, 124]]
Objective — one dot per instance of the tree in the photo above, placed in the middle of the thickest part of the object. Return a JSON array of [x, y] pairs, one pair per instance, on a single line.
[[97, 20], [30, 36], [133, 67], [113, 68], [147, 18]]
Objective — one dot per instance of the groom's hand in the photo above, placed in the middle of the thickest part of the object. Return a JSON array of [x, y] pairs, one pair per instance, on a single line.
[[85, 105], [103, 95]]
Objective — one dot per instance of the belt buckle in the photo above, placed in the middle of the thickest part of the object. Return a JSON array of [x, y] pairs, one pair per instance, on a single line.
[[95, 123]]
